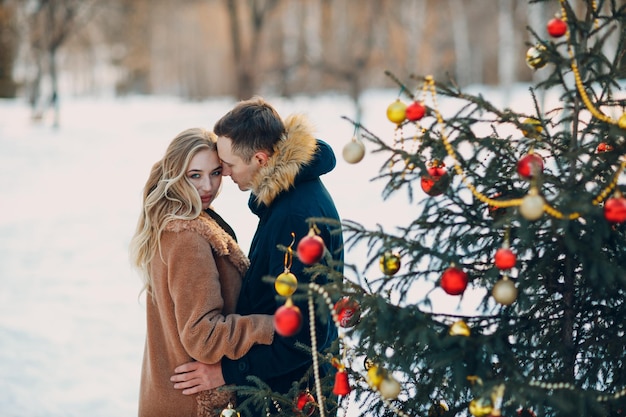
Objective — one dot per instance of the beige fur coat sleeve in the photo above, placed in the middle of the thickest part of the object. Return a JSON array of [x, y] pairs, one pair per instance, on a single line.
[[198, 284]]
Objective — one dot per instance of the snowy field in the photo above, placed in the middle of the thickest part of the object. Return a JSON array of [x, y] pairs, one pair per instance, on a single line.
[[71, 320]]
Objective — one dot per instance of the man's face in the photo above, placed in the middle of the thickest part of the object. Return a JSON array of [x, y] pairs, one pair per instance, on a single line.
[[233, 166]]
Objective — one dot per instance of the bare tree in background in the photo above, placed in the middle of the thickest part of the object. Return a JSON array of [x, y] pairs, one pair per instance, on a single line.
[[412, 17], [461, 38], [201, 48], [130, 31], [50, 23], [353, 49], [8, 42], [246, 48], [506, 46]]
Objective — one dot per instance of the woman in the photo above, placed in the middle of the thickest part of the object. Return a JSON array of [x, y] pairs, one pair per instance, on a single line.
[[192, 271]]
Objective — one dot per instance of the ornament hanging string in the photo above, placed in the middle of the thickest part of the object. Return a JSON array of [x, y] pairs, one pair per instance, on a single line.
[[289, 253]]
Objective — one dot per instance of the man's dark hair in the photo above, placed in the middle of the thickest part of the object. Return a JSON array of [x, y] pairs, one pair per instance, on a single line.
[[252, 125]]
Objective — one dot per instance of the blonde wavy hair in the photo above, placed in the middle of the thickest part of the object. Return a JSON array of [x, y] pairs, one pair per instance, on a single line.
[[168, 195]]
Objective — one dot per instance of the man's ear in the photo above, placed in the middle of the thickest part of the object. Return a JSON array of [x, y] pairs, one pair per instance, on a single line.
[[261, 158]]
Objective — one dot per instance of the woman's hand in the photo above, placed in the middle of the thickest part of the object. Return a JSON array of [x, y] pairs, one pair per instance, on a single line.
[[194, 377]]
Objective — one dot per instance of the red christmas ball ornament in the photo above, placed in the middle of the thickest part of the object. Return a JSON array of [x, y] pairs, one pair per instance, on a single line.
[[437, 180], [305, 403], [526, 412], [603, 147], [530, 166], [505, 258], [310, 248], [454, 281], [615, 208], [556, 27], [287, 319], [415, 111], [348, 312]]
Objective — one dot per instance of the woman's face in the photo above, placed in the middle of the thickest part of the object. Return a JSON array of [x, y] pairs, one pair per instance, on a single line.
[[205, 173]]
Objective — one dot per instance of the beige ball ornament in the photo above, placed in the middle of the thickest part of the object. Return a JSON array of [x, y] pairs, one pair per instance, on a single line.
[[229, 411], [532, 205], [505, 291], [354, 151], [389, 388]]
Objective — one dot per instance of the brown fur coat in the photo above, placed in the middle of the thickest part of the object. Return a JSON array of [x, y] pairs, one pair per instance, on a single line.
[[190, 316]]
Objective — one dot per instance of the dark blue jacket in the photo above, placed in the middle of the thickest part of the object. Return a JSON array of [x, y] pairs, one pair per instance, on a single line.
[[283, 211]]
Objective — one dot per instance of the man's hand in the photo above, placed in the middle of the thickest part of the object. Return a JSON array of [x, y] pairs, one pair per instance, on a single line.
[[194, 377]]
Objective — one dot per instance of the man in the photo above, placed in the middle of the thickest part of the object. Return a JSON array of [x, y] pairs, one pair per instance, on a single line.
[[280, 163]]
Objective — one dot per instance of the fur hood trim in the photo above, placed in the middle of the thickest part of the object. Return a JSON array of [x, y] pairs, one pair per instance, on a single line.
[[290, 155], [221, 242]]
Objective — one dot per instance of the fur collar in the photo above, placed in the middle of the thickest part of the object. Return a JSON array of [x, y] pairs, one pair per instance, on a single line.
[[221, 242], [290, 155]]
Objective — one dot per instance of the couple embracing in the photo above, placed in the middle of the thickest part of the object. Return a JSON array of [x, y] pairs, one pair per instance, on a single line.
[[209, 311]]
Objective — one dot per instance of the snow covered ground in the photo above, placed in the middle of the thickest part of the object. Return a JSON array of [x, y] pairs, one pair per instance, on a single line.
[[71, 319]]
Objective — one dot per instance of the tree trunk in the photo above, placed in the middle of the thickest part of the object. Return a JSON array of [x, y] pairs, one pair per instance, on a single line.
[[7, 52], [506, 47], [462, 49]]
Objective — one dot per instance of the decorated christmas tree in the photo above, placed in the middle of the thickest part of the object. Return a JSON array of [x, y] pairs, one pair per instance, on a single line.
[[522, 209]]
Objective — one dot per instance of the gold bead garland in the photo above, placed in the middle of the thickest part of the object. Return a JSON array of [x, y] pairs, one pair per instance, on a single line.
[[578, 79], [571, 387], [513, 202]]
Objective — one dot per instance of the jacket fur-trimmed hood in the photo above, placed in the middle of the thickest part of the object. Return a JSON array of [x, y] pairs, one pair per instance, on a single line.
[[221, 242], [290, 155]]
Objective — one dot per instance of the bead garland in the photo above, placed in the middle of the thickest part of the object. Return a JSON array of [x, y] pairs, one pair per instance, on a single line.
[[517, 201], [571, 387], [316, 370]]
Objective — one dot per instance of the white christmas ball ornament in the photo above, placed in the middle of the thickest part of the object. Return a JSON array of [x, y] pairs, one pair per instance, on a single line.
[[389, 388], [532, 205], [354, 151], [504, 292]]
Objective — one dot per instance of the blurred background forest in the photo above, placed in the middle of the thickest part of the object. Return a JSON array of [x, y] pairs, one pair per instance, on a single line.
[[195, 49]]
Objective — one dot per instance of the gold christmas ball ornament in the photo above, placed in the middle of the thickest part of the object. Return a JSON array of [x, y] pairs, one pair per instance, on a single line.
[[532, 205], [375, 376], [354, 151], [480, 407], [535, 57], [459, 328], [622, 121], [396, 112], [389, 388], [504, 291], [286, 284], [532, 127], [389, 263]]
